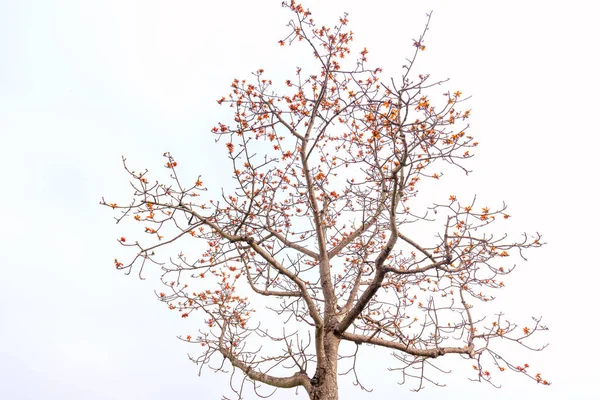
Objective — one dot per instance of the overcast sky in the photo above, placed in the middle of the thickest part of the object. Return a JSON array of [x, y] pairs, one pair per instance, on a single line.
[[84, 82]]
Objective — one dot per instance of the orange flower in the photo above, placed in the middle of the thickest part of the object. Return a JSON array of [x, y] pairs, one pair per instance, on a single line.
[[457, 93], [526, 330], [229, 146], [452, 197], [122, 239]]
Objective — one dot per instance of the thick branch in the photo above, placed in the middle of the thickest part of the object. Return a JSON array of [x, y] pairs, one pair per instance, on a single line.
[[374, 286], [429, 353], [298, 379]]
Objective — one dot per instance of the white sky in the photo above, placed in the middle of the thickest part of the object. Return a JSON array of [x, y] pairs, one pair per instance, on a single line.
[[82, 83]]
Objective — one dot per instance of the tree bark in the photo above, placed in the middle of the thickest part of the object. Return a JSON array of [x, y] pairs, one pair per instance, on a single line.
[[324, 384]]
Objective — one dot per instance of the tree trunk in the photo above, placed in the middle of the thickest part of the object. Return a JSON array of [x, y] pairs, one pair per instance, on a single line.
[[324, 383]]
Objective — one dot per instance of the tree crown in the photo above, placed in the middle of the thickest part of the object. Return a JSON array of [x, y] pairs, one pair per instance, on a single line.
[[320, 225]]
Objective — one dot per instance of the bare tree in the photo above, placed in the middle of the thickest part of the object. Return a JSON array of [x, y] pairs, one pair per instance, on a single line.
[[318, 232]]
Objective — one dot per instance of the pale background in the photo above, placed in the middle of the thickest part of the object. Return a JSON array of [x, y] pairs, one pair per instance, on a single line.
[[84, 82]]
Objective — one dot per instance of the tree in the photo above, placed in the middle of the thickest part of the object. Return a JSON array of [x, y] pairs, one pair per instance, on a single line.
[[318, 230]]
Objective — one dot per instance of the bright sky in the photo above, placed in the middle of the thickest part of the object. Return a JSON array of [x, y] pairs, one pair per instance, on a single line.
[[82, 83]]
